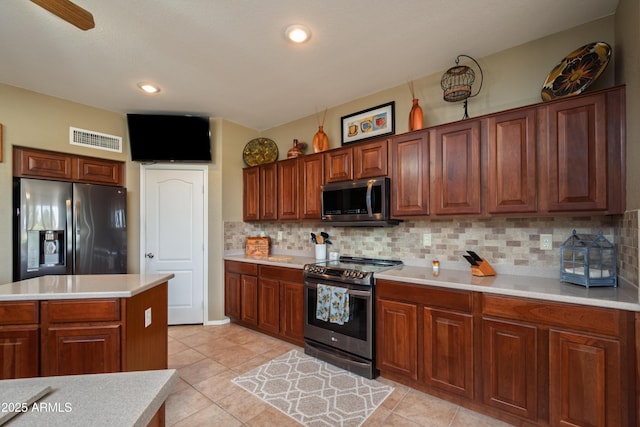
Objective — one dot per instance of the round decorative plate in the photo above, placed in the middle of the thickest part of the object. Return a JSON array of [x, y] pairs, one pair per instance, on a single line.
[[576, 71], [259, 151]]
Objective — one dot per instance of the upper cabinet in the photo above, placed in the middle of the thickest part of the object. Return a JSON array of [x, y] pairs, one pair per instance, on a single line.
[[34, 163], [581, 151], [511, 162], [559, 157], [259, 188], [455, 171], [288, 183]]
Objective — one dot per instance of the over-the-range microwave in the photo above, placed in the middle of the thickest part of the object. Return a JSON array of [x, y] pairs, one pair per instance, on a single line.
[[363, 203]]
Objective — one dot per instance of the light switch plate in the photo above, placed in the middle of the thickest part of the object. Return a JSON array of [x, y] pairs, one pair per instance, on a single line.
[[426, 239]]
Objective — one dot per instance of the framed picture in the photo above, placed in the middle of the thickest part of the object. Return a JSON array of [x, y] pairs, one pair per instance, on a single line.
[[371, 123]]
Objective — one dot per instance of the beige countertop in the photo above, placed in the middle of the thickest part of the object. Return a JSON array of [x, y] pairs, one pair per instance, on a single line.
[[624, 297], [81, 286], [117, 399]]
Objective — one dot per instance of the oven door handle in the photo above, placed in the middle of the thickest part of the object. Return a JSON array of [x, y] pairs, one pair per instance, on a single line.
[[359, 293]]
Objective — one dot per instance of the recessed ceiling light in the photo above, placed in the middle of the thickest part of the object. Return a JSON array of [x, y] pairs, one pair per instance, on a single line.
[[149, 88], [297, 33]]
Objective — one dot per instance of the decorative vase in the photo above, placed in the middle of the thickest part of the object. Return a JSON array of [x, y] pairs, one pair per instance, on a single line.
[[320, 141], [415, 116], [295, 151]]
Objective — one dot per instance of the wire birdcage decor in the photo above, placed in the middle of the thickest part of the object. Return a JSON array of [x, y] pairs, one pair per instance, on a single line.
[[457, 83], [588, 260]]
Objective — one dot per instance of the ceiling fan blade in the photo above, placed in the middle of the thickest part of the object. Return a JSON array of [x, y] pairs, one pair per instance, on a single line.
[[69, 11]]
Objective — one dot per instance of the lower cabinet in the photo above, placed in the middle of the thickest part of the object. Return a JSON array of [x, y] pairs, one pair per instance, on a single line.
[[526, 361], [83, 336], [267, 298]]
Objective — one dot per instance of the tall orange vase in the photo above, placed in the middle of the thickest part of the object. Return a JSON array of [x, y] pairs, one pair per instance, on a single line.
[[415, 116], [320, 141]]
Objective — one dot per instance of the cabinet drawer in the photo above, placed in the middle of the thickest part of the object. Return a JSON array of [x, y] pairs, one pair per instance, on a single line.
[[427, 295], [18, 312], [584, 318], [241, 267], [281, 273], [90, 310]]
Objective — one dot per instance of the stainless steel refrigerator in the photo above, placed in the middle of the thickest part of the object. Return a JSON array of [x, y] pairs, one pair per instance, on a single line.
[[68, 228]]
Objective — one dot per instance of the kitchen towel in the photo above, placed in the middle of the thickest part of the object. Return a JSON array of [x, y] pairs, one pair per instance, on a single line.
[[332, 304]]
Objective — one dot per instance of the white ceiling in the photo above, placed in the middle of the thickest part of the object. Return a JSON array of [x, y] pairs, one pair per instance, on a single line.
[[229, 59]]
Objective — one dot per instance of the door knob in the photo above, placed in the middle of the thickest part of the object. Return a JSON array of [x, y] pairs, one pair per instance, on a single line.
[[149, 255]]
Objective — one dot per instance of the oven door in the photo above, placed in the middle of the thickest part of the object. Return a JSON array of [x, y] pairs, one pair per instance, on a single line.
[[355, 335]]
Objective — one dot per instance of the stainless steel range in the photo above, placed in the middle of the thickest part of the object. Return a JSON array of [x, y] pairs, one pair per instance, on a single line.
[[339, 302]]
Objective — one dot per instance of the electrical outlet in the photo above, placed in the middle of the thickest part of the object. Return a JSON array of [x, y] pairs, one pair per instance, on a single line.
[[147, 317], [546, 242], [426, 239], [279, 235]]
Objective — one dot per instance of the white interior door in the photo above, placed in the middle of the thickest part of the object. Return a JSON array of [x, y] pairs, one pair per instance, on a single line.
[[174, 226]]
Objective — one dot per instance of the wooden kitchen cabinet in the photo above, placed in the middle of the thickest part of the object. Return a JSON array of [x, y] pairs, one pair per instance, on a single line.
[[259, 190], [35, 163], [338, 164], [410, 175], [425, 335], [581, 151], [370, 159], [397, 338], [310, 189], [448, 351], [456, 165], [19, 339], [288, 184], [251, 194], [510, 367], [511, 167], [267, 298]]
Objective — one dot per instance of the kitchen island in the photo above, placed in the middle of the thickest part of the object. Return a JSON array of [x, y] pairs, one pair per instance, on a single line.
[[83, 324], [117, 399]]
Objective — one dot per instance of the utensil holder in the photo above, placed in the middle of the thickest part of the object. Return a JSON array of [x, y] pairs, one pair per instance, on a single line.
[[483, 269], [321, 251]]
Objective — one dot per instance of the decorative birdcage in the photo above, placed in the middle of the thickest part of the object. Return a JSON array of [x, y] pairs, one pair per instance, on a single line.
[[588, 260]]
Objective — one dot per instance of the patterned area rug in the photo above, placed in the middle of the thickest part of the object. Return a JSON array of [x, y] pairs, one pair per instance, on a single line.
[[314, 393]]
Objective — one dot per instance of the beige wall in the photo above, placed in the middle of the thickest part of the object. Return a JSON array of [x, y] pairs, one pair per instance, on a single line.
[[34, 120], [627, 27], [512, 78]]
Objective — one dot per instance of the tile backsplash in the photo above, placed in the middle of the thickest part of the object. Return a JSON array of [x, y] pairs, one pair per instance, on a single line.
[[510, 244]]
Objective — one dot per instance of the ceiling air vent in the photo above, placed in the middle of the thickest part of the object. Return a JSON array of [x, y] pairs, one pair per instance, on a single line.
[[101, 141]]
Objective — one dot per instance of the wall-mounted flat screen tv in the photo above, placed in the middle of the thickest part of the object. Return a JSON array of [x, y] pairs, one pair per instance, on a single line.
[[169, 138]]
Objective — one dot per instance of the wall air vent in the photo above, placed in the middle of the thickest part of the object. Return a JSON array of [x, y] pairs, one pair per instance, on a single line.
[[89, 138]]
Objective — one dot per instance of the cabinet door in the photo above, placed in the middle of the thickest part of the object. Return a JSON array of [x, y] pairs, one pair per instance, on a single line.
[[268, 305], [288, 184], [232, 298], [397, 338], [455, 175], [249, 299], [448, 351], [251, 194], [42, 164], [269, 191], [584, 380], [292, 310], [311, 180], [511, 147], [574, 155], [19, 351], [75, 350], [370, 159], [338, 165], [410, 175], [99, 171], [510, 367]]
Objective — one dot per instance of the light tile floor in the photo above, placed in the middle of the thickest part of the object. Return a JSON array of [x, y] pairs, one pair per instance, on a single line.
[[208, 357]]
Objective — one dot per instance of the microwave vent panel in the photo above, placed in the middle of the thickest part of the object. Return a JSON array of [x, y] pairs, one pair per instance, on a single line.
[[588, 260], [92, 139]]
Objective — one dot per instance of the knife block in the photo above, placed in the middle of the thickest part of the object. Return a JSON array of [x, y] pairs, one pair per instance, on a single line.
[[482, 269]]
